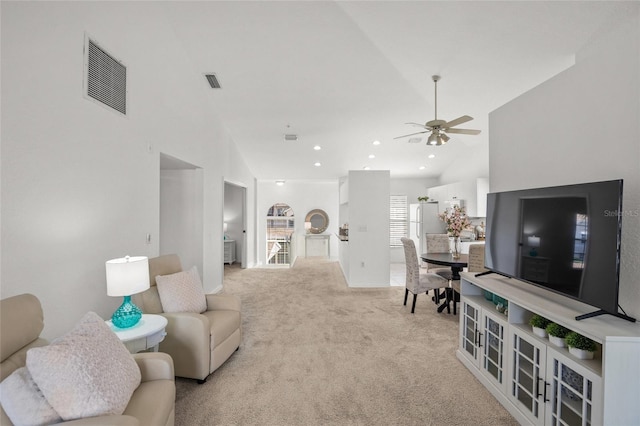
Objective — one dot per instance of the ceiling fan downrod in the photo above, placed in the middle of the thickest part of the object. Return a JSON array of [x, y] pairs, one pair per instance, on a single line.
[[435, 81]]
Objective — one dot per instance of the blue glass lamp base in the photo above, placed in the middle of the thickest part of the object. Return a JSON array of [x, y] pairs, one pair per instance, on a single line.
[[127, 315]]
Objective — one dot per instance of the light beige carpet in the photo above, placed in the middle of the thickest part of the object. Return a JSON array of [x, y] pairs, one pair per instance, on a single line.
[[316, 352]]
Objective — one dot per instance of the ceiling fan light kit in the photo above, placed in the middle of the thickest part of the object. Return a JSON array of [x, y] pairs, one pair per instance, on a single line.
[[440, 128]]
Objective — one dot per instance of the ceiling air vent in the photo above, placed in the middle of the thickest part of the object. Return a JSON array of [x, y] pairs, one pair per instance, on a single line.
[[213, 81], [415, 140], [105, 77], [290, 137]]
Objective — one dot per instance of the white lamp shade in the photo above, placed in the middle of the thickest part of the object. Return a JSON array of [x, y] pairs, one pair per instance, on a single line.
[[127, 275], [225, 226], [533, 241]]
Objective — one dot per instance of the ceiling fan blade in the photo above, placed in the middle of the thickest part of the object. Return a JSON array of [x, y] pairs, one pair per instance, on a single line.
[[463, 131], [420, 125], [457, 121], [411, 134]]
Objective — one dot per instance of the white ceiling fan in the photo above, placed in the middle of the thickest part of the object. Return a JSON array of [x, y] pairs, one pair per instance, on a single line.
[[440, 128]]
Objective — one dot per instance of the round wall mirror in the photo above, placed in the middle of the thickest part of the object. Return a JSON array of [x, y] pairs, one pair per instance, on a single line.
[[316, 221]]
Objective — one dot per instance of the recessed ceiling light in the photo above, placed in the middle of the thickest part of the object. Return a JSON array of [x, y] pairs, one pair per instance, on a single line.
[[372, 156], [317, 147], [432, 156], [376, 142], [421, 167], [366, 168], [279, 182], [317, 164]]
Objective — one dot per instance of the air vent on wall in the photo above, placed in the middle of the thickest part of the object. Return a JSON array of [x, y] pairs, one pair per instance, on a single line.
[[105, 77], [290, 137], [213, 81]]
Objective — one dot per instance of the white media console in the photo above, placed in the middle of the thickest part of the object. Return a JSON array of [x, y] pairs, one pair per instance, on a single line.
[[537, 382]]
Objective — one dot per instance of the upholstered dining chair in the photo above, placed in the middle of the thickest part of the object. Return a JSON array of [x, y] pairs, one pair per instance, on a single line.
[[475, 264], [438, 243], [417, 281]]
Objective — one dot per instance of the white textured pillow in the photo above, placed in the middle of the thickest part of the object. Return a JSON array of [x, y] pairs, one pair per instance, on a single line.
[[86, 372], [182, 292], [23, 401]]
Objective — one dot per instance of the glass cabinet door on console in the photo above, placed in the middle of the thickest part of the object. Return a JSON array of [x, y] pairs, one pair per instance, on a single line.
[[527, 387], [575, 392], [494, 337], [482, 340], [469, 330]]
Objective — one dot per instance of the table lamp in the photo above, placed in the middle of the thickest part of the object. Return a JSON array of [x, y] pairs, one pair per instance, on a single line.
[[224, 230], [127, 276], [534, 243]]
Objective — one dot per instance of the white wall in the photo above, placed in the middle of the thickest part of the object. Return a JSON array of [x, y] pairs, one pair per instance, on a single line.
[[583, 125], [80, 183], [302, 196], [471, 164]]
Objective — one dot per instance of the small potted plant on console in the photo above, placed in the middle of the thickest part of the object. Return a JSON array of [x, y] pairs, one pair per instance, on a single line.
[[580, 346], [539, 323], [557, 333]]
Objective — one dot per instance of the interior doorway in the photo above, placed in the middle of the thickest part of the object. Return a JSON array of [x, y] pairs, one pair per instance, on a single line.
[[234, 225], [181, 211]]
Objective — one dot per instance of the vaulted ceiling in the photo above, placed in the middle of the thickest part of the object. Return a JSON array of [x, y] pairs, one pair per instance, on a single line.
[[343, 74]]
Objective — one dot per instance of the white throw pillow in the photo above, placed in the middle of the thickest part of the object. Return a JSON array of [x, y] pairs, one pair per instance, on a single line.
[[23, 401], [86, 372], [182, 292]]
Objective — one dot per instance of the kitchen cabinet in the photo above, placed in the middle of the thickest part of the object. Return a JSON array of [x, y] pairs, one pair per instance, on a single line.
[[473, 192], [545, 384]]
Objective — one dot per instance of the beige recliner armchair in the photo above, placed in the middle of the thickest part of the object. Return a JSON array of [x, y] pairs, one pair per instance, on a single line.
[[198, 343], [152, 403]]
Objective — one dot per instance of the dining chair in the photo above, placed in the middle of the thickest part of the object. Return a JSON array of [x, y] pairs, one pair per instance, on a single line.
[[438, 243], [417, 281], [475, 264]]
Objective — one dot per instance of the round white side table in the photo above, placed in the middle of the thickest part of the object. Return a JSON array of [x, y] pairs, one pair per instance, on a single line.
[[146, 334]]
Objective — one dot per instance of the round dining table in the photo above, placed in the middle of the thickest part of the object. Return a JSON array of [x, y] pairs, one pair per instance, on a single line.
[[456, 265], [446, 259]]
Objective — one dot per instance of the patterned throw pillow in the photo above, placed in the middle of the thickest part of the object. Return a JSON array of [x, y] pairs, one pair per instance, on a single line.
[[86, 372], [182, 292]]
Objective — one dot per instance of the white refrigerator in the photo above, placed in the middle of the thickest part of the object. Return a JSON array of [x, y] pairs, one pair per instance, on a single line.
[[423, 220]]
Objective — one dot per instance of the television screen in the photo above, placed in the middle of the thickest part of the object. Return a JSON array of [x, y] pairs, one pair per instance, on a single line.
[[564, 238]]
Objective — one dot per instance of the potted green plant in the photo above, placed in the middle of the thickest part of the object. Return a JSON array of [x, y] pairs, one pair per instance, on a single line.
[[557, 333], [423, 199], [538, 324], [580, 346]]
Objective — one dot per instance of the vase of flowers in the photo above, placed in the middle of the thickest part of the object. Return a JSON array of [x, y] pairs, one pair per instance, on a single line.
[[456, 220]]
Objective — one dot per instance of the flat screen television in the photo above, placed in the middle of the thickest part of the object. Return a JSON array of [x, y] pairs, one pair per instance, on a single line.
[[564, 238]]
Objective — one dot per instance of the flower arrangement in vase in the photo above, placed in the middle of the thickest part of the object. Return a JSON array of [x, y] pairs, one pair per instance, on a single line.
[[557, 333], [539, 324], [457, 221], [580, 346]]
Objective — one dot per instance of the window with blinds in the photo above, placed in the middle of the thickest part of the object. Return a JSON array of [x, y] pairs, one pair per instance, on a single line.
[[397, 219]]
